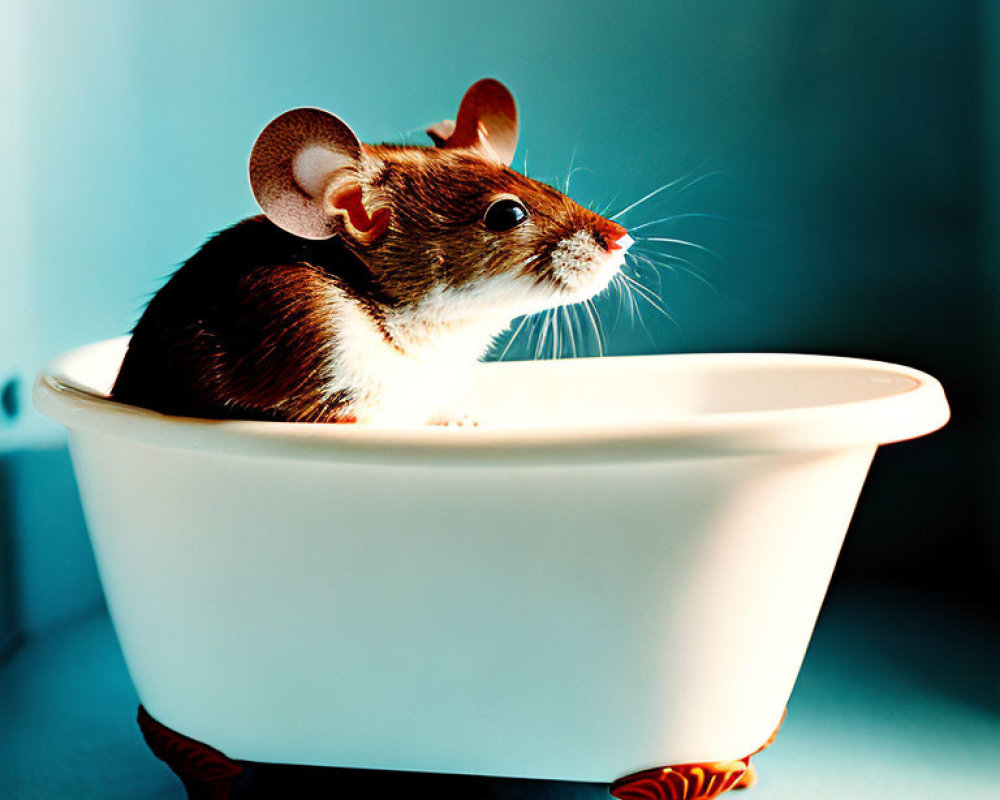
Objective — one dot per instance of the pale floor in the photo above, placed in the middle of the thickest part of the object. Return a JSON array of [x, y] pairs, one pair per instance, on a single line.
[[898, 697]]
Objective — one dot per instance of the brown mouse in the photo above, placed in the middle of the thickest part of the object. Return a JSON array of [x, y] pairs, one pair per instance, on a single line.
[[377, 276]]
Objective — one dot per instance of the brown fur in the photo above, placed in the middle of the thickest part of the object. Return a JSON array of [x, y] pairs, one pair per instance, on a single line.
[[244, 328], [437, 199], [241, 330]]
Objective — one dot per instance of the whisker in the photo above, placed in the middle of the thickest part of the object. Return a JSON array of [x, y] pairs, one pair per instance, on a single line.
[[635, 261], [700, 179], [550, 325], [572, 158], [676, 263], [685, 215], [572, 173], [603, 210], [681, 242], [533, 326], [578, 331], [626, 291], [542, 335], [591, 309], [513, 337], [570, 331], [556, 333], [691, 183], [413, 131], [560, 316], [614, 289], [576, 324], [638, 310], [646, 294], [639, 258], [652, 194]]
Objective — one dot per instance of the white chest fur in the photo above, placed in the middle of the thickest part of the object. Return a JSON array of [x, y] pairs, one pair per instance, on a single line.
[[413, 379]]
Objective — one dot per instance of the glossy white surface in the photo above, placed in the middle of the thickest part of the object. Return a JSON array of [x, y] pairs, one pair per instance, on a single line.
[[631, 408], [620, 568]]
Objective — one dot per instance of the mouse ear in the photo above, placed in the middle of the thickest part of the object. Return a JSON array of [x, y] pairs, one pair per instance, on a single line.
[[305, 173], [440, 132], [487, 120]]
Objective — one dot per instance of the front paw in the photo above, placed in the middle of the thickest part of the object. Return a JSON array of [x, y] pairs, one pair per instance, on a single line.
[[454, 420]]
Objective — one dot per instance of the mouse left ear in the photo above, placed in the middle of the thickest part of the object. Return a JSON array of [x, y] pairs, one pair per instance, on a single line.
[[306, 172], [487, 121]]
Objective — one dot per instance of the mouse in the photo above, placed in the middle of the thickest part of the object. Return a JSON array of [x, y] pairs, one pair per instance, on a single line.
[[375, 279]]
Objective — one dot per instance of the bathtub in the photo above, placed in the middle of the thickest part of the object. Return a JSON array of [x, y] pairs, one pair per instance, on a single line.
[[619, 568]]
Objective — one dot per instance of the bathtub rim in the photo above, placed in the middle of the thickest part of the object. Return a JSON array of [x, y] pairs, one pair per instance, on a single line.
[[906, 414]]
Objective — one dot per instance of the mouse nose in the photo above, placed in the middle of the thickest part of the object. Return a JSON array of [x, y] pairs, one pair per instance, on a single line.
[[611, 236]]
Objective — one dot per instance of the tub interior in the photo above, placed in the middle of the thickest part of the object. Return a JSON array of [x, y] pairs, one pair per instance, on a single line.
[[595, 391], [641, 388]]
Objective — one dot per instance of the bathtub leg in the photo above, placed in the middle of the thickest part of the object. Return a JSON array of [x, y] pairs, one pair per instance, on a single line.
[[690, 781], [681, 782], [205, 772], [748, 779]]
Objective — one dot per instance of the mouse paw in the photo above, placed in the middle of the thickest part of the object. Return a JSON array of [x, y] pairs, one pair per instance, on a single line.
[[455, 421]]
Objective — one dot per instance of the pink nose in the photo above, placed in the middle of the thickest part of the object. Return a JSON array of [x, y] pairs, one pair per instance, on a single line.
[[613, 234]]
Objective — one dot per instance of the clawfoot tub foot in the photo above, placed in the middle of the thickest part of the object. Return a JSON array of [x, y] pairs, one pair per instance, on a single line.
[[681, 782], [690, 781], [748, 779], [205, 772]]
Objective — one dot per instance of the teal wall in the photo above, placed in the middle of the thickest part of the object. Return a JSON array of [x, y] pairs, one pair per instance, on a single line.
[[836, 138], [840, 154]]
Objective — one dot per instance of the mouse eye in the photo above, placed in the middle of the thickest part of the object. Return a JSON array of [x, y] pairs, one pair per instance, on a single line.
[[504, 214]]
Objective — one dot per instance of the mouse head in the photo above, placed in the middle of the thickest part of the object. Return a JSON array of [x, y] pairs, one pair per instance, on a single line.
[[449, 229]]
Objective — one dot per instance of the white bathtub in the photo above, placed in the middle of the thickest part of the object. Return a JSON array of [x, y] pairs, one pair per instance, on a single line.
[[620, 568]]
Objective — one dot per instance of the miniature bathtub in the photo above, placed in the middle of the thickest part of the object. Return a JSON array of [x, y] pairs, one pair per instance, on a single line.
[[620, 568]]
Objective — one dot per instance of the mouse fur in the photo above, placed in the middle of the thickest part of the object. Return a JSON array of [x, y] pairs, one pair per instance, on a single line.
[[372, 283]]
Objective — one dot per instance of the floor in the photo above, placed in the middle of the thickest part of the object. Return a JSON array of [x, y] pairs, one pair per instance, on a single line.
[[899, 696]]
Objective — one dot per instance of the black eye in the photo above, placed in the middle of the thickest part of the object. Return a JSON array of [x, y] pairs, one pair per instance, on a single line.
[[504, 215]]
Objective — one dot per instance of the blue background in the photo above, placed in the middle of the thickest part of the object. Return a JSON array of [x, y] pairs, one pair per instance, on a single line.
[[844, 154], [838, 159]]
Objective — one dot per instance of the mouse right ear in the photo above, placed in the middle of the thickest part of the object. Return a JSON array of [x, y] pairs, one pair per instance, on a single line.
[[305, 173], [487, 121]]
